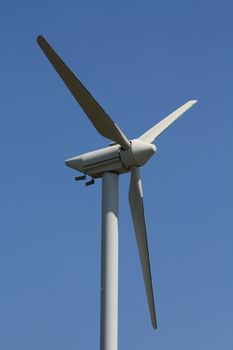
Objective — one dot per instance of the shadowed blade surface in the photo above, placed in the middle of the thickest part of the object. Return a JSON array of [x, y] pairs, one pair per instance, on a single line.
[[99, 118], [137, 211], [160, 127]]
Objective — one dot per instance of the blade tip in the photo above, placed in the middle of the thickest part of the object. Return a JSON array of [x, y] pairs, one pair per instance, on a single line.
[[193, 101], [40, 39]]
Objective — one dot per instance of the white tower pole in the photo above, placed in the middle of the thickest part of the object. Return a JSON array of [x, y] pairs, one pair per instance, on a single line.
[[109, 263]]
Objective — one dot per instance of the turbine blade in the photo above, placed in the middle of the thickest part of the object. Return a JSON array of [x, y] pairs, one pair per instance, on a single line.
[[99, 118], [156, 130], [137, 211]]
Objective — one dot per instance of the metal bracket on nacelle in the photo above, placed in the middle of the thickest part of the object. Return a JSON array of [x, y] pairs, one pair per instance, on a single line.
[[78, 178], [83, 177], [91, 182]]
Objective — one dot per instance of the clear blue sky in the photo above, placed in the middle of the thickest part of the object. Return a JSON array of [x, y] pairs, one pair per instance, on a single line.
[[141, 60]]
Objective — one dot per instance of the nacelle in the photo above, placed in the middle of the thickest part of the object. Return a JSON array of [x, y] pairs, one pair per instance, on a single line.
[[112, 158]]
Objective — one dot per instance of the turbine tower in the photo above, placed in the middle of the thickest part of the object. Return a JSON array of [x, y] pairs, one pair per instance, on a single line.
[[122, 156]]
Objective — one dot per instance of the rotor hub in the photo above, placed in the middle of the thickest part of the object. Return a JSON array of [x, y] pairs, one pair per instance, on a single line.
[[138, 153]]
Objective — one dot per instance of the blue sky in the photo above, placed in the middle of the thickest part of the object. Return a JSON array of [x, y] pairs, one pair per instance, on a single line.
[[141, 60]]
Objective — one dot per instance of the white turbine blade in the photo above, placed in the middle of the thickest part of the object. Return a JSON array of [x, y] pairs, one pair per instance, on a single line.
[[156, 130], [137, 211], [99, 118]]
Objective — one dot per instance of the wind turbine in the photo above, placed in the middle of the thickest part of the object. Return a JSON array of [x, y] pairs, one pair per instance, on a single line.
[[108, 163]]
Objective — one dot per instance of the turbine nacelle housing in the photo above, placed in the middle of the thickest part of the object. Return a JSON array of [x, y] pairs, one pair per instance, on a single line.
[[113, 158]]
